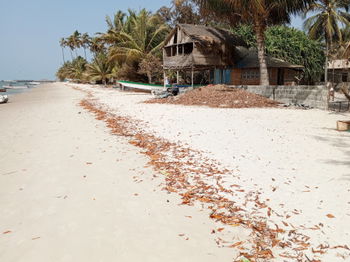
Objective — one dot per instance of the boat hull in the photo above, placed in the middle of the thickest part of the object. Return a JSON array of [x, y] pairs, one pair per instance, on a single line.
[[139, 86], [15, 87], [3, 99]]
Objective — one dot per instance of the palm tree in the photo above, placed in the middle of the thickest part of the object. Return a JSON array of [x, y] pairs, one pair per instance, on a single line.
[[344, 45], [121, 22], [77, 69], [326, 23], [259, 13], [118, 21], [63, 45], [74, 69], [96, 46], [74, 42], [85, 42], [63, 71], [140, 35], [101, 69], [70, 45]]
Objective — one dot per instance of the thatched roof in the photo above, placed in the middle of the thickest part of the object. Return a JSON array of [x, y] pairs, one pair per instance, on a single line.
[[248, 58], [208, 35]]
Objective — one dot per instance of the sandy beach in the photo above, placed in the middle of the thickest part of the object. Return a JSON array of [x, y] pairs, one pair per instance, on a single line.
[[293, 159], [70, 191]]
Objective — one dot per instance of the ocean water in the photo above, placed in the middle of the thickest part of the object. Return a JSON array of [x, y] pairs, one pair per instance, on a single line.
[[11, 92]]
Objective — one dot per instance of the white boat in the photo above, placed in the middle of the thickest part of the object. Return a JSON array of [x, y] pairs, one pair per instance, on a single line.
[[15, 87], [3, 99], [139, 86]]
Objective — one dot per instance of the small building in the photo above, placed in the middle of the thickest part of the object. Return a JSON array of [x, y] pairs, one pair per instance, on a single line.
[[339, 71], [223, 56]]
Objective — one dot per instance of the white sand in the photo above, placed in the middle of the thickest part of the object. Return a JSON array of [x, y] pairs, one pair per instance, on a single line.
[[58, 208], [297, 153]]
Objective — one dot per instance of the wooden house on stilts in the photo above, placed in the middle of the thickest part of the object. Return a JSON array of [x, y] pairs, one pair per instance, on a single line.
[[224, 56]]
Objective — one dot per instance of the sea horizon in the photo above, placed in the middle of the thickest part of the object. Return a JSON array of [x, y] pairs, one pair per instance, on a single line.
[[17, 83]]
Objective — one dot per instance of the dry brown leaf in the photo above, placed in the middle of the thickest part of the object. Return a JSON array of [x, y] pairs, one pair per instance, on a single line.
[[236, 244], [218, 96], [285, 223], [205, 200], [179, 170]]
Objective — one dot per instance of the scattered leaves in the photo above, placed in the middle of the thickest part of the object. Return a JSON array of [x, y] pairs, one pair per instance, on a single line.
[[179, 164]]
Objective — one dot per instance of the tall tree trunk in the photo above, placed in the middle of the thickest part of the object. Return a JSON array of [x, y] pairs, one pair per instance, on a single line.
[[260, 37], [71, 54], [326, 64], [85, 53], [64, 60], [149, 75], [327, 86]]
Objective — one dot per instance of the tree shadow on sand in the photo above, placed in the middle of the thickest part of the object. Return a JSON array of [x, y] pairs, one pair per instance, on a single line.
[[343, 144]]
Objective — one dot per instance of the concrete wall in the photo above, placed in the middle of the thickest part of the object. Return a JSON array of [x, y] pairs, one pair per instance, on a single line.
[[314, 96]]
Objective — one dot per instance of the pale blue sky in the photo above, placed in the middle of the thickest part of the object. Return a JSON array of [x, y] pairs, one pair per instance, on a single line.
[[30, 31]]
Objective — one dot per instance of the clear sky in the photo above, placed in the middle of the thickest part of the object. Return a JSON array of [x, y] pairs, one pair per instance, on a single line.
[[30, 31]]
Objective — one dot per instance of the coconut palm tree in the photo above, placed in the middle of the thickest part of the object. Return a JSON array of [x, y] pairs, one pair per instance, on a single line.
[[74, 69], [326, 22], [74, 42], [62, 72], [85, 42], [63, 45], [77, 70], [100, 69], [344, 45], [121, 22], [259, 13], [142, 34], [96, 46], [70, 45], [118, 21]]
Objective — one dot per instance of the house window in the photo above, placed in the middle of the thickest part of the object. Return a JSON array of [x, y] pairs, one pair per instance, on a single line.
[[188, 48], [180, 49], [168, 51], [174, 53], [250, 74]]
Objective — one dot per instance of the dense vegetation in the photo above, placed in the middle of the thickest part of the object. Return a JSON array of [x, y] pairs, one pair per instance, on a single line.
[[131, 47]]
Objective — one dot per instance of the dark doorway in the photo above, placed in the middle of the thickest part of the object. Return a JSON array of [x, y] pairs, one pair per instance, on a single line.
[[280, 77], [344, 77]]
